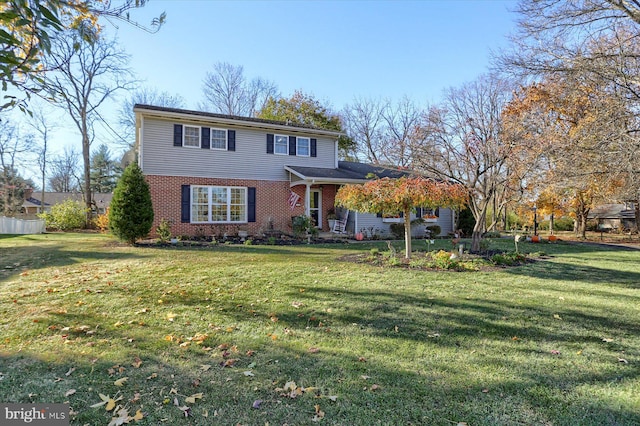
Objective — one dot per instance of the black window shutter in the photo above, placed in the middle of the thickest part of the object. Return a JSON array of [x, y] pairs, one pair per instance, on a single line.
[[419, 212], [437, 212], [177, 135], [269, 143], [251, 204], [292, 145], [314, 143], [231, 140], [205, 142], [185, 216], [379, 215]]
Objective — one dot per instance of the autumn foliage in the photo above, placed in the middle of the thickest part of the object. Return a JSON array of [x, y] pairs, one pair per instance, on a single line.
[[388, 196]]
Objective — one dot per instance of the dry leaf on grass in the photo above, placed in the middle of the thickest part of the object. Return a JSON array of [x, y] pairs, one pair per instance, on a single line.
[[121, 382]]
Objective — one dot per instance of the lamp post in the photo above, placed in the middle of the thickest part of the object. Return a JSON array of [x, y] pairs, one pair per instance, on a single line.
[[535, 220]]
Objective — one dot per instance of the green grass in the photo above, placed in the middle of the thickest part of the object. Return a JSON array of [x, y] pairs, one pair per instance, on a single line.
[[538, 344]]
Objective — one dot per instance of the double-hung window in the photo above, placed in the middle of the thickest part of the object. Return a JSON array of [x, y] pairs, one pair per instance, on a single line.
[[191, 136], [218, 204], [303, 146], [281, 145], [218, 139]]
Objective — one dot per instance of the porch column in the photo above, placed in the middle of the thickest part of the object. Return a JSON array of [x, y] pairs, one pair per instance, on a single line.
[[307, 200]]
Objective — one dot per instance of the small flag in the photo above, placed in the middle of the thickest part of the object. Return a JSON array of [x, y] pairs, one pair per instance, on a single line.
[[293, 199]]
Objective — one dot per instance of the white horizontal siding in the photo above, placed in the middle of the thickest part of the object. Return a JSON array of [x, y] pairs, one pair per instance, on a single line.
[[249, 161]]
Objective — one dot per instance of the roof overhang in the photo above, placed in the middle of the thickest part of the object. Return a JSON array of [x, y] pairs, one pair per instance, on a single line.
[[318, 179], [203, 117]]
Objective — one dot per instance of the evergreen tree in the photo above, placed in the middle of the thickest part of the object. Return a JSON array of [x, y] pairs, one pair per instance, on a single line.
[[131, 210], [104, 171]]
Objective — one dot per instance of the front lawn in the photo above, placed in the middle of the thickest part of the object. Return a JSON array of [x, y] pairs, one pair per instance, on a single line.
[[256, 335]]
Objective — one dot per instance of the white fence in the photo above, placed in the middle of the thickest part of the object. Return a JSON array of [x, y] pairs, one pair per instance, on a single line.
[[11, 225]]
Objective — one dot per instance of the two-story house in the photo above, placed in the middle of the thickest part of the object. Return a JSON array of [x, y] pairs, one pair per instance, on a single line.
[[212, 172]]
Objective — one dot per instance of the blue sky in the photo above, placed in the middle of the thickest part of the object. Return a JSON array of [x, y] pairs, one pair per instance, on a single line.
[[334, 50]]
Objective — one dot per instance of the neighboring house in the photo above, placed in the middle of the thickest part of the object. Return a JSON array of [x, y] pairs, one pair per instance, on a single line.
[[33, 205], [614, 216], [211, 174]]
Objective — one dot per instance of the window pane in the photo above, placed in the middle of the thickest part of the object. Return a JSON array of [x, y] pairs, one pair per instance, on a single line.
[[219, 195], [191, 136], [281, 144], [237, 195], [219, 213], [218, 139], [200, 213], [237, 213], [303, 147]]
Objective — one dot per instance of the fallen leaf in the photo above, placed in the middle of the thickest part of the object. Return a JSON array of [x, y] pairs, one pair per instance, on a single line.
[[555, 352], [485, 390], [556, 316], [71, 370], [375, 387], [152, 376], [137, 362], [365, 377], [333, 398], [248, 373], [297, 304], [228, 363], [256, 404], [462, 424], [192, 399], [205, 367], [70, 392], [607, 340], [121, 382], [314, 350], [319, 415], [138, 416], [622, 360]]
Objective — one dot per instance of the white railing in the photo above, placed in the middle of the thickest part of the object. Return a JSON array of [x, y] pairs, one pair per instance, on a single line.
[[11, 225]]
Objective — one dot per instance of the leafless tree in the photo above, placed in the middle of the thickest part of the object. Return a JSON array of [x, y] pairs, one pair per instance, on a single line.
[[401, 137], [147, 96], [364, 122], [43, 127], [463, 142], [227, 91], [64, 175], [86, 75], [15, 151]]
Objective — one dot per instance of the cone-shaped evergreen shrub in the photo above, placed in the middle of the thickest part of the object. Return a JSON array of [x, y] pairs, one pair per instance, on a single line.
[[131, 211]]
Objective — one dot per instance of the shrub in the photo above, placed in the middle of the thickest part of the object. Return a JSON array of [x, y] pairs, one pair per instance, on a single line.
[[131, 213], [563, 224], [66, 216], [164, 231], [492, 234], [397, 229], [435, 230], [102, 221], [443, 260], [508, 259], [303, 225]]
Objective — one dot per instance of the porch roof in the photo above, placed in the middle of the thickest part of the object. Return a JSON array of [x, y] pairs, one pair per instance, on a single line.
[[347, 172]]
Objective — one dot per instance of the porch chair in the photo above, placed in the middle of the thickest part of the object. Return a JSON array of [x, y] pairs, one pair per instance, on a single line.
[[340, 225]]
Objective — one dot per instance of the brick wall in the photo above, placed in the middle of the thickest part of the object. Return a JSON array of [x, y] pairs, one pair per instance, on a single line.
[[272, 207]]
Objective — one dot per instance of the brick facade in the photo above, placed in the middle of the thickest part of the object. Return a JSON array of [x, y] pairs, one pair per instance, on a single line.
[[272, 207]]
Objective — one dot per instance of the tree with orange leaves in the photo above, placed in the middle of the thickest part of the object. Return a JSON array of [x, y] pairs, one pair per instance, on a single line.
[[388, 196]]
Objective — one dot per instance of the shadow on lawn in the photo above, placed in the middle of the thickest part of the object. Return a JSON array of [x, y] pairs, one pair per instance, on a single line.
[[435, 393], [563, 271], [15, 261]]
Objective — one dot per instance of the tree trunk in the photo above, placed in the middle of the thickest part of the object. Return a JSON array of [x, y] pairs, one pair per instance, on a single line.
[[86, 156], [551, 224], [407, 233], [637, 215], [478, 230]]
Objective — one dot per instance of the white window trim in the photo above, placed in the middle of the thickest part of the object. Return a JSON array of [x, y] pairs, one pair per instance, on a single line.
[[229, 188], [308, 146], [184, 134], [226, 139], [275, 138]]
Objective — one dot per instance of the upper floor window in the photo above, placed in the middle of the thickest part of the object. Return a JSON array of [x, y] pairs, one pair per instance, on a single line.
[[218, 139], [281, 144], [191, 136], [303, 146]]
